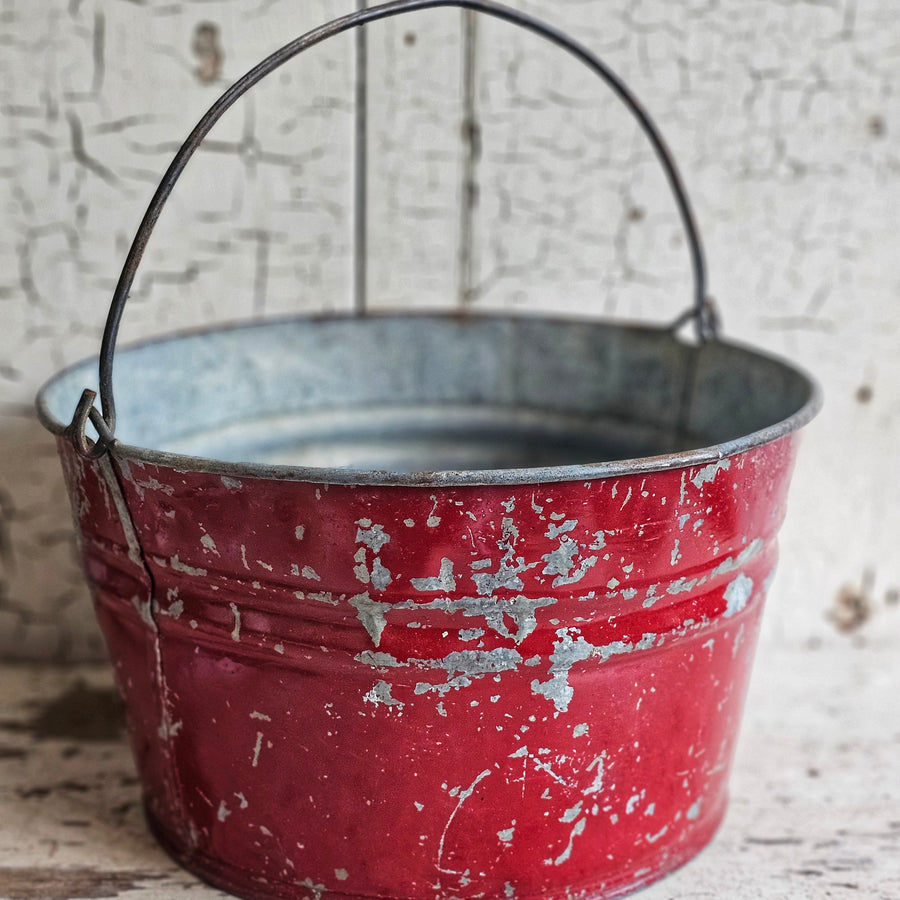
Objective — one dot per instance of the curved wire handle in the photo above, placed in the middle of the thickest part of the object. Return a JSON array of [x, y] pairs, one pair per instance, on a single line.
[[105, 422]]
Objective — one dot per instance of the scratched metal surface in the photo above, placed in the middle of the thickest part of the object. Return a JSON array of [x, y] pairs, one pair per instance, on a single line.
[[785, 143], [821, 750]]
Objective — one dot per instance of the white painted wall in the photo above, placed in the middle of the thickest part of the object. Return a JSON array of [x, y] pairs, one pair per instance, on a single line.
[[782, 116]]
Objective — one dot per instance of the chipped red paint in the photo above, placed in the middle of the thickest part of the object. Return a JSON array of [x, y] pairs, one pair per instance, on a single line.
[[498, 691]]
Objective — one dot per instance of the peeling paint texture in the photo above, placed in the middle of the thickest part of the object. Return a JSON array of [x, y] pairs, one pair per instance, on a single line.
[[566, 653], [737, 594], [554, 692], [487, 668]]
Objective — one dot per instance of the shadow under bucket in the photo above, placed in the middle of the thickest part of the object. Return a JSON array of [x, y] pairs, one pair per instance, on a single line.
[[385, 622]]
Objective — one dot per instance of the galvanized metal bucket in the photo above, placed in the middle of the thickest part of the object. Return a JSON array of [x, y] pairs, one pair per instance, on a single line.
[[431, 606]]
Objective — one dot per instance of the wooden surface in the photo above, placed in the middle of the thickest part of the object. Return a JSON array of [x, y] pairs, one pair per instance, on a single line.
[[499, 173], [815, 811]]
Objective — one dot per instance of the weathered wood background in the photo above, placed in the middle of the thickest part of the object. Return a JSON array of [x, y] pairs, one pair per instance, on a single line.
[[499, 173]]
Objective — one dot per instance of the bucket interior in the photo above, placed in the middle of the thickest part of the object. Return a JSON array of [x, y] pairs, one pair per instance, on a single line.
[[433, 393]]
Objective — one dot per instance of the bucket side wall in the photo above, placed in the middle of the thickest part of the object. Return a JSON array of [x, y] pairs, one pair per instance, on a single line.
[[570, 656]]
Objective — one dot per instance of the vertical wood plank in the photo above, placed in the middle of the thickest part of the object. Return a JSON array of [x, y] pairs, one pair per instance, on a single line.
[[95, 98], [574, 214], [269, 199], [361, 171], [471, 154], [415, 159]]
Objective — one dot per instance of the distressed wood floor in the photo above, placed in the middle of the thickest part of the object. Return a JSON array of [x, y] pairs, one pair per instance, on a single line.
[[815, 811]]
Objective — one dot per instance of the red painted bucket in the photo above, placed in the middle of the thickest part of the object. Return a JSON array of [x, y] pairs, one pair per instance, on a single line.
[[385, 621]]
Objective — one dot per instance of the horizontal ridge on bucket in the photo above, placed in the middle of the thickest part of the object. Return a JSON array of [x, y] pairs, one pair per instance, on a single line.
[[431, 606]]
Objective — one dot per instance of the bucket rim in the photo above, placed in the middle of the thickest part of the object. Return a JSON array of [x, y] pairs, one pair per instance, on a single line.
[[180, 462]]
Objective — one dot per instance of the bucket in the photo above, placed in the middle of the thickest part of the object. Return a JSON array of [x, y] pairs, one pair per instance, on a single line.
[[431, 606]]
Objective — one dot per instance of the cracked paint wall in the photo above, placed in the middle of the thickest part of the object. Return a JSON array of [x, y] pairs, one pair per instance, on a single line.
[[499, 174]]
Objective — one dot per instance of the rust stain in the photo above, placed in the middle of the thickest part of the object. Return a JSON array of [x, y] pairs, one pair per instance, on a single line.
[[852, 606], [207, 47], [877, 126]]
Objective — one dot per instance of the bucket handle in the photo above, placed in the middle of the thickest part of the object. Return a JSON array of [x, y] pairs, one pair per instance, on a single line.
[[104, 422]]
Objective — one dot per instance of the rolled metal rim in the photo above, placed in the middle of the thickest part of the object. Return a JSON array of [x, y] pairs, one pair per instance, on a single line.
[[501, 476]]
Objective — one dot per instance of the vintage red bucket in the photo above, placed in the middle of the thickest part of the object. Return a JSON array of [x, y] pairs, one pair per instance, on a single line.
[[431, 606]]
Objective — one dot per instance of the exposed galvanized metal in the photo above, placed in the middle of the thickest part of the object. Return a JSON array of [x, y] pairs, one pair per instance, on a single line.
[[431, 606], [692, 404]]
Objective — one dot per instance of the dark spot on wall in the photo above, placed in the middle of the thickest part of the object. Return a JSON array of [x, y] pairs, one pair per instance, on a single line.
[[68, 883], [636, 214], [471, 134], [864, 393], [892, 597], [82, 713], [207, 48], [409, 39], [877, 126], [852, 607]]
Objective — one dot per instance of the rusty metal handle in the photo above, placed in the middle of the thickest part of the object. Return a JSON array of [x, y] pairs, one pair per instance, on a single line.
[[105, 421]]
